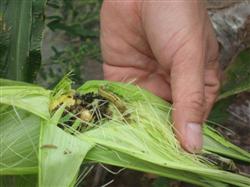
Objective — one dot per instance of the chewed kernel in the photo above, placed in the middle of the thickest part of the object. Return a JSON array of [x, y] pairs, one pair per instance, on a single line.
[[86, 115]]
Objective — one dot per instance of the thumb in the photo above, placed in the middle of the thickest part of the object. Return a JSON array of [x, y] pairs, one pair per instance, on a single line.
[[187, 86]]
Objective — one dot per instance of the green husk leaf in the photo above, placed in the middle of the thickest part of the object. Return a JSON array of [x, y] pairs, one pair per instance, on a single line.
[[30, 98], [19, 135], [133, 93], [111, 157], [63, 87], [217, 144], [7, 82], [144, 142], [60, 154], [149, 137]]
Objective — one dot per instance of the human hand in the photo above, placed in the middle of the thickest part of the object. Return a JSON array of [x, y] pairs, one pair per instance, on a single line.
[[169, 48]]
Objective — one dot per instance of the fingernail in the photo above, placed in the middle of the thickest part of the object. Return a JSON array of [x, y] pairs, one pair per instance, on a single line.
[[194, 139]]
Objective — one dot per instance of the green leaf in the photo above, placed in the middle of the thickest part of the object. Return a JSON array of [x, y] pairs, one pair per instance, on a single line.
[[19, 135], [6, 82], [19, 181], [31, 98], [237, 76], [216, 143], [219, 114], [23, 20], [145, 142], [161, 182], [19, 20], [60, 155], [148, 137], [114, 157], [37, 28], [75, 30]]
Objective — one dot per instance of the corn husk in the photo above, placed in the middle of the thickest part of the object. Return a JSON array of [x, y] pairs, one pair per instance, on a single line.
[[146, 142]]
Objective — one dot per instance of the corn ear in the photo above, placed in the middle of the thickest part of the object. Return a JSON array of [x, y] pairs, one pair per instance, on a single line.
[[144, 142]]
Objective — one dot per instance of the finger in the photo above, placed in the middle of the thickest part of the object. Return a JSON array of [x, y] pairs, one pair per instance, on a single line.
[[187, 84], [212, 85], [151, 81], [157, 85], [181, 43], [213, 73]]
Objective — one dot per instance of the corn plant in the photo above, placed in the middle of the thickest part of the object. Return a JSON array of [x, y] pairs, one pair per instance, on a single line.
[[21, 26], [46, 135]]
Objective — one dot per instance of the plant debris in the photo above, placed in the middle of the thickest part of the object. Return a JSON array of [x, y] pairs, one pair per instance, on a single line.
[[221, 162], [83, 109], [50, 146]]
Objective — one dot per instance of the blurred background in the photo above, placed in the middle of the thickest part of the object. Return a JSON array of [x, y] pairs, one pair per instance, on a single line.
[[71, 42]]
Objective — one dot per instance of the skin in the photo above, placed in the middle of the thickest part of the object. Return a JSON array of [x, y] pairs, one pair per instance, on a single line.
[[170, 49]]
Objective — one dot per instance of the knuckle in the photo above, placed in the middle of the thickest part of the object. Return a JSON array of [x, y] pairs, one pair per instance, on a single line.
[[213, 82], [215, 88], [212, 87]]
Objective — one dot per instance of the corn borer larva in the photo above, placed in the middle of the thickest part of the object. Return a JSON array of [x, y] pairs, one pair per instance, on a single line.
[[102, 91]]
